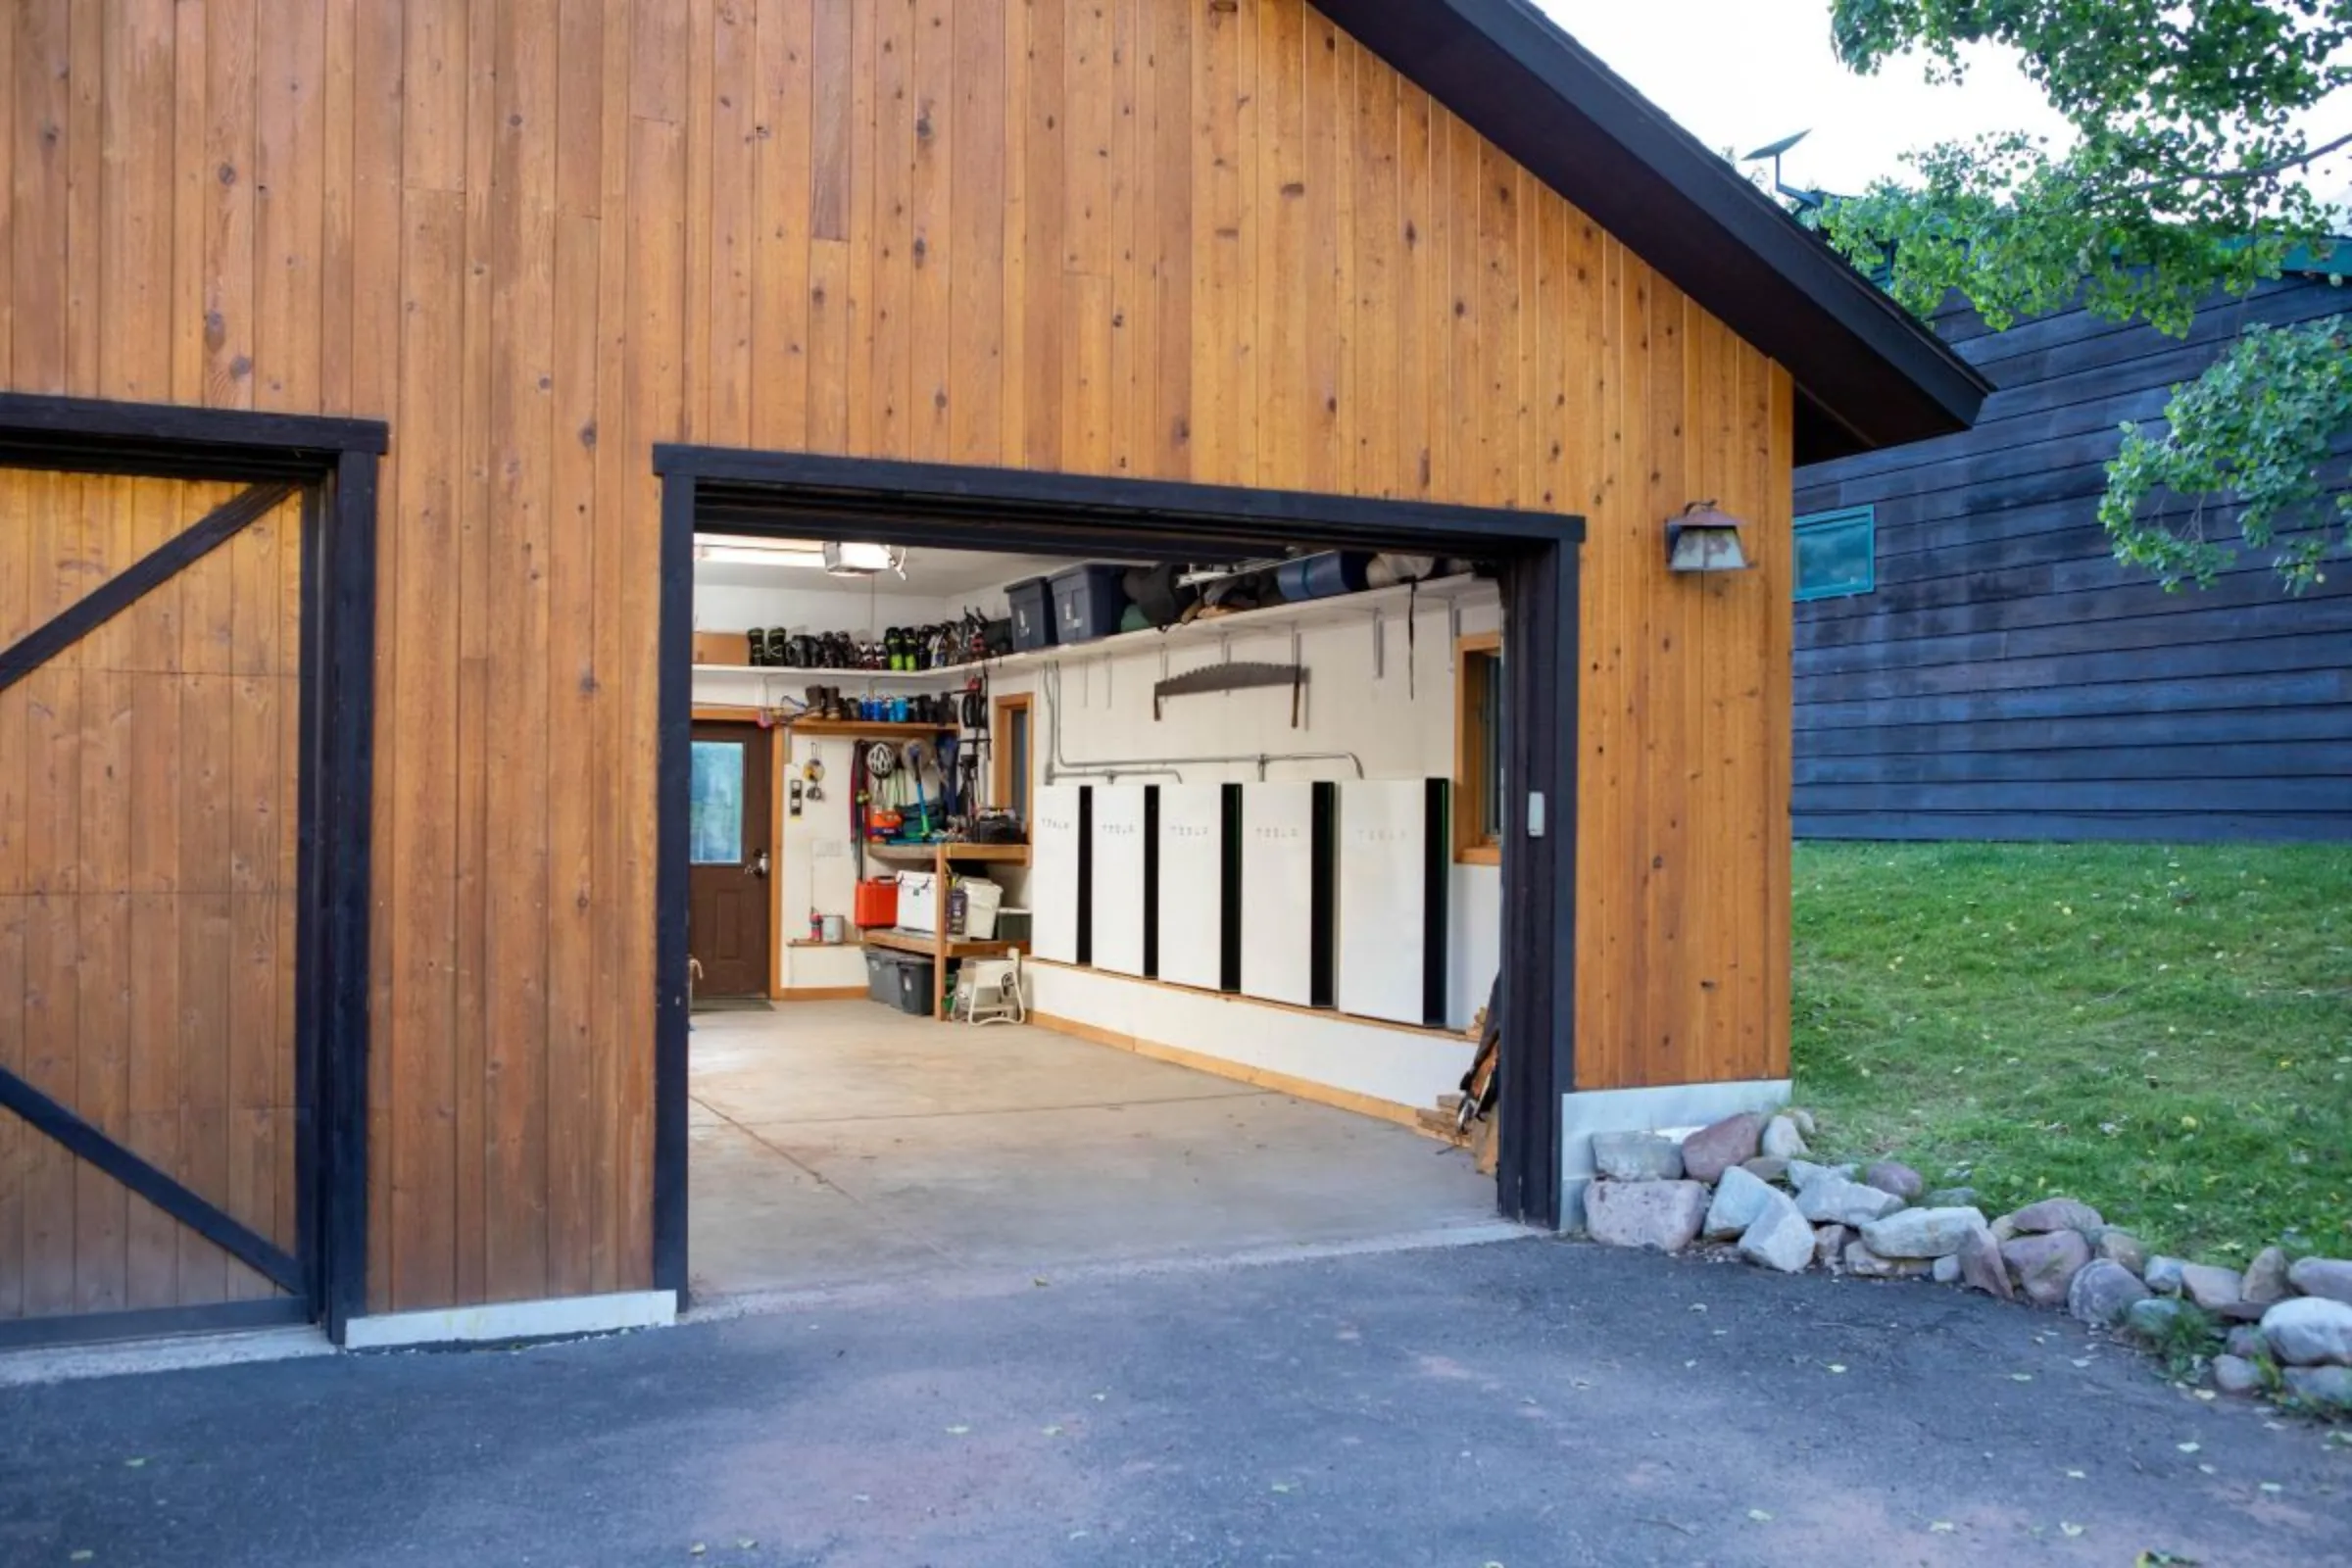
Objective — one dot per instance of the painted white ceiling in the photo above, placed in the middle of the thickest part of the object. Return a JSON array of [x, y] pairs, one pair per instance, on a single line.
[[930, 574]]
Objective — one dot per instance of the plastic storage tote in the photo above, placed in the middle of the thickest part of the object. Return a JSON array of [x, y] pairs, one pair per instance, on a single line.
[[1088, 602], [1032, 602]]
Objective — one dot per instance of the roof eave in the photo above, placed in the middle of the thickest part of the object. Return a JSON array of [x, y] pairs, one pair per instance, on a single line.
[[1873, 377]]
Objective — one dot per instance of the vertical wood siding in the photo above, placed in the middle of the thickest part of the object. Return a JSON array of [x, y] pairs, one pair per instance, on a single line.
[[1195, 239], [2007, 679], [147, 898]]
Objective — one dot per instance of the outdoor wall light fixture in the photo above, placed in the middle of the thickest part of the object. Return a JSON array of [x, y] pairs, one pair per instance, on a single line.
[[1704, 538]]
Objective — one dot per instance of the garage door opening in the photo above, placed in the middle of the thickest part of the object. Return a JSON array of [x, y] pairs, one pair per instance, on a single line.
[[1063, 871]]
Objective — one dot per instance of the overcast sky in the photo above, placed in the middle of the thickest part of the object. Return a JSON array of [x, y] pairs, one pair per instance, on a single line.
[[1739, 74]]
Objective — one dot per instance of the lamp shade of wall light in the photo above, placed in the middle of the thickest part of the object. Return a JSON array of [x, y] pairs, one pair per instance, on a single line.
[[1706, 539]]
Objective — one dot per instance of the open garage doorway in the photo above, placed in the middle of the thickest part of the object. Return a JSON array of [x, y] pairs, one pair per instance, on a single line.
[[1135, 861]]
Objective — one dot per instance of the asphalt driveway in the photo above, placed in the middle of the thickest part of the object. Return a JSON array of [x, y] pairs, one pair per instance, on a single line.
[[1522, 1404]]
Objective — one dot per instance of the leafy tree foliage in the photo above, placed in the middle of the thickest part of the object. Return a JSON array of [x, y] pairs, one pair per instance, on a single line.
[[2187, 176]]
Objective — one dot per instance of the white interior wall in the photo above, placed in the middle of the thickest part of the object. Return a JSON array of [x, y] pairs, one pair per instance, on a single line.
[[1389, 703], [1387, 698]]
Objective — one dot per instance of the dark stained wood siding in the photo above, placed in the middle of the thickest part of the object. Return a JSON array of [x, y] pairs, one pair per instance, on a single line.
[[2008, 680]]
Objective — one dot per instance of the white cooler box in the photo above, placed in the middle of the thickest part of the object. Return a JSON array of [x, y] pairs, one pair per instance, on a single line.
[[919, 902]]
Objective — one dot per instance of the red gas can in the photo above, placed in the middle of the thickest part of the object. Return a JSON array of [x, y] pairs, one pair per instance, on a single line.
[[877, 902]]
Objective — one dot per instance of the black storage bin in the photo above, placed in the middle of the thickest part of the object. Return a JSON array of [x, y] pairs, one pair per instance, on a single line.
[[901, 980], [1088, 602], [1032, 600]]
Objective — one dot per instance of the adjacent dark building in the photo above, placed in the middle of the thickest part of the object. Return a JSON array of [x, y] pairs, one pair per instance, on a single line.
[[1972, 664]]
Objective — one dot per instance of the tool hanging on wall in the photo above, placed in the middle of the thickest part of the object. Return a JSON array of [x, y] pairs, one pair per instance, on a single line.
[[1231, 677]]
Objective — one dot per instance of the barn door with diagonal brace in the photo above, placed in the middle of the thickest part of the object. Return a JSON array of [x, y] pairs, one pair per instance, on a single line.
[[151, 665]]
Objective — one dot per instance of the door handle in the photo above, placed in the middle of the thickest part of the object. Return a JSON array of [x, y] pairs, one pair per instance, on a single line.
[[758, 868]]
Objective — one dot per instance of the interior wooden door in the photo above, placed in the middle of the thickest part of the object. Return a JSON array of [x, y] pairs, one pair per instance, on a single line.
[[729, 884], [151, 654]]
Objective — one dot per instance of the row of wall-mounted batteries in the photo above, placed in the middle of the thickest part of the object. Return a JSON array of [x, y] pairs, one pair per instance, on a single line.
[[1317, 895]]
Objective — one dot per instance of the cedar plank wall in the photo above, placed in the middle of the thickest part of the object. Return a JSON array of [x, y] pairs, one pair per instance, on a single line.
[[2007, 679], [1176, 238]]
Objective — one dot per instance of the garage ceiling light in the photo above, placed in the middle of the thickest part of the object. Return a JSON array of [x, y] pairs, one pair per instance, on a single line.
[[841, 560]]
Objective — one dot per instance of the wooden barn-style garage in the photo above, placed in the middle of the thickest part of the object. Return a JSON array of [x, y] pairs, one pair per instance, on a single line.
[[370, 367]]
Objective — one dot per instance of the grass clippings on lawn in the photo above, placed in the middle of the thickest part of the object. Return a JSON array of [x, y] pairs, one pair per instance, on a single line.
[[2163, 1033]]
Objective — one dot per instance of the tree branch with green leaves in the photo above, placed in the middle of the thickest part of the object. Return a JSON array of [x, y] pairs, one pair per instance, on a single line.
[[2187, 179]]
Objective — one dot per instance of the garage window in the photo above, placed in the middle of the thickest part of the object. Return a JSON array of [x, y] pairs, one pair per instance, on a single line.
[[1478, 750], [1836, 554]]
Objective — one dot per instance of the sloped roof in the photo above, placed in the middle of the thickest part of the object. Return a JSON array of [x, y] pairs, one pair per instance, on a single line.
[[1866, 375]]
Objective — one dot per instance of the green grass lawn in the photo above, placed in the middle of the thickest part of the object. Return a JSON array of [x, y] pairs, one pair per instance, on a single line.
[[2166, 1034]]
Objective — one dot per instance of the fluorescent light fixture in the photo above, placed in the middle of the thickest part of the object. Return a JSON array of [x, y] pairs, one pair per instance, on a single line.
[[853, 560], [842, 559]]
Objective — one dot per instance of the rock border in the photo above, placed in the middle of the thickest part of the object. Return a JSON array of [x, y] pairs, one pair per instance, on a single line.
[[1748, 1182]]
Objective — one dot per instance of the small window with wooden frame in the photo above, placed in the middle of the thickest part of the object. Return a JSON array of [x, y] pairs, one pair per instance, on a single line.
[[1012, 743], [1478, 748]]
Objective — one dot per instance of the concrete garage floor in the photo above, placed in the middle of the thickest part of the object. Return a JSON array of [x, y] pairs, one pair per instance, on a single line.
[[840, 1143]]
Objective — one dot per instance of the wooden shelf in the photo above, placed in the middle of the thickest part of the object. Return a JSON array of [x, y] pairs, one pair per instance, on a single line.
[[862, 729], [925, 945], [992, 853], [841, 677]]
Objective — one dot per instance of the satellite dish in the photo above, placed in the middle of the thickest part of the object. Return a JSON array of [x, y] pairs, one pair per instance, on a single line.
[[1778, 147]]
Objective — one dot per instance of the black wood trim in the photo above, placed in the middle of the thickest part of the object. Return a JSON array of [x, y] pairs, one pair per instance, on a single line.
[[672, 853], [151, 430], [95, 1328], [339, 619], [86, 1142], [993, 508], [1538, 878], [134, 582], [1020, 507], [307, 1198]]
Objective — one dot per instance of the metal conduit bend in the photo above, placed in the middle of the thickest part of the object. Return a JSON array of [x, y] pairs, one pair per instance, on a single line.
[[1056, 766]]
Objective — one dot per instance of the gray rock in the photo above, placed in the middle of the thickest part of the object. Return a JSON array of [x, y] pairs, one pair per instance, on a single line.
[[2045, 1264], [1803, 1173], [1833, 1200], [1887, 1176], [1665, 1215], [1982, 1266], [2330, 1388], [1638, 1156], [2163, 1275], [1804, 1121], [1711, 1150], [1829, 1247], [2102, 1292], [2248, 1343], [2213, 1289], [2004, 1229], [1781, 1140], [1739, 1198], [2055, 1215], [2310, 1331], [1780, 1239], [2330, 1277], [1922, 1232], [1951, 1197], [2265, 1283], [2121, 1246], [1766, 1170], [1947, 1271], [2234, 1374], [2152, 1318], [1865, 1264]]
